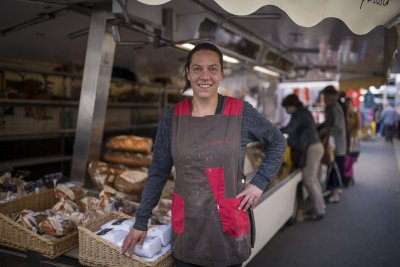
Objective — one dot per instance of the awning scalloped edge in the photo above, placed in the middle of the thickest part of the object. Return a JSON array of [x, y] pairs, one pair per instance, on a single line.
[[361, 16]]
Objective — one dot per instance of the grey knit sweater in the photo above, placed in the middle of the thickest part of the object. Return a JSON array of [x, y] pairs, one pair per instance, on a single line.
[[254, 128]]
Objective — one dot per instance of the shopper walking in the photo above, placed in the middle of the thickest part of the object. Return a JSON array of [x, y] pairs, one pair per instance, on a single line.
[[303, 138], [389, 119], [205, 139], [335, 127]]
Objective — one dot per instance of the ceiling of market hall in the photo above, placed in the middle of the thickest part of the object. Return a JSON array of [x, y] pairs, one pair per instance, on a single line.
[[57, 31]]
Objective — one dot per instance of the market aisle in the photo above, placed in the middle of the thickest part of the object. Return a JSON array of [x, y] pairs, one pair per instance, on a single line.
[[362, 230]]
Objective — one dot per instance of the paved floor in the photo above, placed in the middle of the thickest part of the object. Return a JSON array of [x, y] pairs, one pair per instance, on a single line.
[[362, 230]]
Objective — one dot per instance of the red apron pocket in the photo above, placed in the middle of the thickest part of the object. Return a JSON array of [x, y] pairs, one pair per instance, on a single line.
[[178, 213], [235, 222]]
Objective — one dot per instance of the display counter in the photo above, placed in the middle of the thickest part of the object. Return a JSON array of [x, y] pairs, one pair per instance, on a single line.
[[276, 206]]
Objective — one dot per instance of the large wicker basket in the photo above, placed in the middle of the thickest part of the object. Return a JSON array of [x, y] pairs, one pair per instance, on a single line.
[[15, 236], [95, 251]]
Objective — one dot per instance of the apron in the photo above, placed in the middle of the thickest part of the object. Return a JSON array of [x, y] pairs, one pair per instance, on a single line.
[[208, 229]]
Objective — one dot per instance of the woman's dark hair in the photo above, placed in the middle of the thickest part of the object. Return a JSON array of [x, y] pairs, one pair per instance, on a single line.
[[292, 100], [330, 93], [198, 47]]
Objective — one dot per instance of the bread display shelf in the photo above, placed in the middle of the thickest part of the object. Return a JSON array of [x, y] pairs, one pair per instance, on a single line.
[[95, 251], [35, 161], [16, 236]]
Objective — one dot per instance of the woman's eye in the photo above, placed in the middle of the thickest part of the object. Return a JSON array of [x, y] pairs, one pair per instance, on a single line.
[[213, 70], [197, 69]]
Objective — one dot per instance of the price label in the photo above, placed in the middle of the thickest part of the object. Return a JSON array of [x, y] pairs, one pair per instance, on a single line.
[[104, 231], [32, 186], [8, 188], [49, 178]]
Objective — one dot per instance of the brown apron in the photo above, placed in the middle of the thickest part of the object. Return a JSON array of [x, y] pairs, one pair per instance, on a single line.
[[208, 228]]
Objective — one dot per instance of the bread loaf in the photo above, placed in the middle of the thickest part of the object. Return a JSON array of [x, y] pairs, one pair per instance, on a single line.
[[69, 191], [130, 143], [102, 173], [65, 206], [131, 182], [88, 203], [57, 225], [127, 158], [31, 220]]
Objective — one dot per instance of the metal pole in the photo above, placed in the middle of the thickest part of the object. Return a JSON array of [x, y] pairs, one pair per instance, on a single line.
[[94, 96]]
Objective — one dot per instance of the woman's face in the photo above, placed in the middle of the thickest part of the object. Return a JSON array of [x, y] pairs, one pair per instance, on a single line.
[[290, 109], [204, 73]]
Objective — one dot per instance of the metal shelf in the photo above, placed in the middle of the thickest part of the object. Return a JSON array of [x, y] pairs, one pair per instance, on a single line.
[[55, 73], [35, 161], [27, 102], [63, 103], [132, 127], [13, 136], [133, 105]]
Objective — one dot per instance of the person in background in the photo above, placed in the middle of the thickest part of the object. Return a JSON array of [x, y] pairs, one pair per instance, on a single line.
[[353, 149], [205, 138], [389, 119], [303, 136], [335, 126]]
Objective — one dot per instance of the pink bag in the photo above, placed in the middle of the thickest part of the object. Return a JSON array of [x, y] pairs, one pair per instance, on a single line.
[[348, 166]]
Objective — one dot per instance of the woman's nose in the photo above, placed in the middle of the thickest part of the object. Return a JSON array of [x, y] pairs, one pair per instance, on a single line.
[[205, 74]]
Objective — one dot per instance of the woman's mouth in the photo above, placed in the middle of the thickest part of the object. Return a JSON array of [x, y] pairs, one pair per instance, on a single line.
[[204, 85]]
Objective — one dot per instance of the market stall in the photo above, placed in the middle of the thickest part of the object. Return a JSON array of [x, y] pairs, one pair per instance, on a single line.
[[257, 55]]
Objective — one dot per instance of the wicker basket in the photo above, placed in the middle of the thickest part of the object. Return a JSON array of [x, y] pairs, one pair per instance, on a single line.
[[15, 236], [95, 251]]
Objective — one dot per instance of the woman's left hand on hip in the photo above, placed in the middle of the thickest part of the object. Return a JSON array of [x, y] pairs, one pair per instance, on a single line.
[[251, 194]]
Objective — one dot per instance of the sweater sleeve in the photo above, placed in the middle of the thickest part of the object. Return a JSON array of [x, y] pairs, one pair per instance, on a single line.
[[257, 128], [159, 171]]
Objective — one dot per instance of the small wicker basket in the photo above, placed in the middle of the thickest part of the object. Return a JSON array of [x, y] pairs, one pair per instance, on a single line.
[[95, 251], [18, 237]]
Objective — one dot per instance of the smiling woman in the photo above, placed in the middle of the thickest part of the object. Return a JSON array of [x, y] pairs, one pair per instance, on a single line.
[[205, 138]]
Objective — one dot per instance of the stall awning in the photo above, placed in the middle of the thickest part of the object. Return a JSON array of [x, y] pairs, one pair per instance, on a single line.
[[361, 16]]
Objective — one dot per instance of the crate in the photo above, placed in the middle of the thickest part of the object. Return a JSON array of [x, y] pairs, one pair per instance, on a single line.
[[95, 251], [18, 237]]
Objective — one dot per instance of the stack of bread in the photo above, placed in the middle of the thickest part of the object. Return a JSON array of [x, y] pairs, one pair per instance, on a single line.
[[127, 160]]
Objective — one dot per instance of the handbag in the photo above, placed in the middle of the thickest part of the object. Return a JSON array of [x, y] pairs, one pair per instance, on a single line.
[[299, 157], [327, 156]]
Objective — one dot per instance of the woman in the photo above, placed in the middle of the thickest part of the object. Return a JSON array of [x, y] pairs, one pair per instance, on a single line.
[[303, 137], [334, 126], [205, 138], [353, 129]]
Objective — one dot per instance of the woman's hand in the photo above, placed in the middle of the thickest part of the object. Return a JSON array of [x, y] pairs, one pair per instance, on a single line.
[[132, 239], [251, 194]]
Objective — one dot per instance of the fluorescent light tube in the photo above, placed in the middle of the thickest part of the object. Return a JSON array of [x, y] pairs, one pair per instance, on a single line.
[[185, 46], [188, 47], [229, 59], [266, 71]]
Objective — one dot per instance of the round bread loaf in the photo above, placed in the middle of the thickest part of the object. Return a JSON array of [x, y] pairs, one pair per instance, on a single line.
[[69, 191], [130, 143], [57, 225], [131, 181], [127, 158], [88, 203], [102, 173]]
